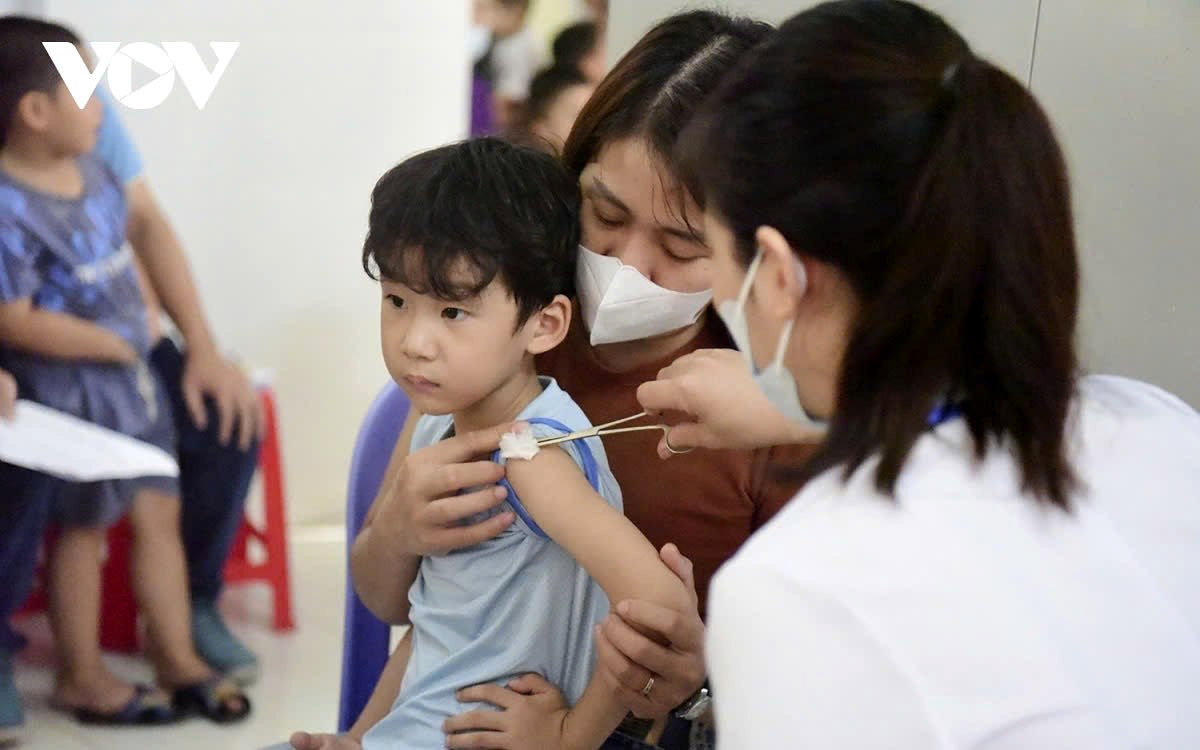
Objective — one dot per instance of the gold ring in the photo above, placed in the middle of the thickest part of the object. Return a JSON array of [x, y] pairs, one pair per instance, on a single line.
[[672, 449], [649, 686]]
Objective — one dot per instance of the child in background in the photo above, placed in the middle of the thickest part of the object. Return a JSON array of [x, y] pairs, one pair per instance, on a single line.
[[581, 46], [74, 331], [475, 245], [556, 97], [515, 55]]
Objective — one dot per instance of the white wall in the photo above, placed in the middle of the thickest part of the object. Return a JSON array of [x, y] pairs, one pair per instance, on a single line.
[[269, 186], [1121, 81], [1002, 31]]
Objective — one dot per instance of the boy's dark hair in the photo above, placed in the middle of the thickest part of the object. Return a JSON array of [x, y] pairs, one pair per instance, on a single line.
[[508, 211], [874, 140], [573, 44], [24, 63]]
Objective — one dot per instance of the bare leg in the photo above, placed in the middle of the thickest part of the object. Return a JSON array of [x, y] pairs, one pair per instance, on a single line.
[[83, 680], [381, 701], [160, 581]]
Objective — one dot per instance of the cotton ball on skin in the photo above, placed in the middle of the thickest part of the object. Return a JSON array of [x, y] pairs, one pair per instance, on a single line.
[[520, 444]]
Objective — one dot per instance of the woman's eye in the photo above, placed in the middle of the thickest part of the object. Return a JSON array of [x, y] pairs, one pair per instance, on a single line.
[[607, 220], [454, 313], [683, 255], [397, 302]]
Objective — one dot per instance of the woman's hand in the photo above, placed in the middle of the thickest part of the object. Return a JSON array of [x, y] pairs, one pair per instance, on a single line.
[[531, 717], [722, 405], [627, 659], [423, 510]]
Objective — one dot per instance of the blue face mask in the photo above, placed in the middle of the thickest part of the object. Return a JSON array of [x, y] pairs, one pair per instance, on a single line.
[[774, 380]]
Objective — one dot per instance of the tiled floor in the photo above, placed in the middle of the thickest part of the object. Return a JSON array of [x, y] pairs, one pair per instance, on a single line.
[[298, 690]]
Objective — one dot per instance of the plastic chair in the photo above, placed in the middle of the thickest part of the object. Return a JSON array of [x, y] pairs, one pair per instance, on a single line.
[[365, 637]]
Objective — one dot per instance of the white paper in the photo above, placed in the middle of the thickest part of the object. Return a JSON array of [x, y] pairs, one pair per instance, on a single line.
[[64, 446]]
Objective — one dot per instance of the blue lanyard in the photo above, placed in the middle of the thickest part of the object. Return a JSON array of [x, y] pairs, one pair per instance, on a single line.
[[591, 470]]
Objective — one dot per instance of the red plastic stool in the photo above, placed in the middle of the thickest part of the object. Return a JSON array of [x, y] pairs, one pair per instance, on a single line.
[[273, 534], [118, 604], [118, 618]]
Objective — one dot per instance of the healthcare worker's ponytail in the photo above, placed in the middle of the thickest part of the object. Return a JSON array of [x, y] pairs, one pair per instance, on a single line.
[[874, 140]]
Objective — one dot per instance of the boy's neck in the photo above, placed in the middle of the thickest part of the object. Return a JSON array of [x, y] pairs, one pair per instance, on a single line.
[[34, 164], [503, 404]]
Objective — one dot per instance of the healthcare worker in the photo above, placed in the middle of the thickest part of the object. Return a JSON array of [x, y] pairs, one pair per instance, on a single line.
[[992, 551]]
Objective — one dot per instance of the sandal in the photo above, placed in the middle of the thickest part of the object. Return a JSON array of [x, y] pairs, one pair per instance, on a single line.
[[146, 708], [212, 699]]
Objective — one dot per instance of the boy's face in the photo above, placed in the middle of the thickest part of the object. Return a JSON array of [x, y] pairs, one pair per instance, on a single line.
[[58, 119], [59, 122], [74, 130], [450, 355]]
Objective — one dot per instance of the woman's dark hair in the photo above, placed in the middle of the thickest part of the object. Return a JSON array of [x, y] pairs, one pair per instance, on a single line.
[[511, 213], [871, 137], [656, 88], [573, 44], [24, 63]]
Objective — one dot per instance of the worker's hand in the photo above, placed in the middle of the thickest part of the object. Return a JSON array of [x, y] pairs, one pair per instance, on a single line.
[[721, 405]]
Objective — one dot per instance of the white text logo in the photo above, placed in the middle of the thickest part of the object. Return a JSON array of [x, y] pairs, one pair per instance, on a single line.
[[164, 60]]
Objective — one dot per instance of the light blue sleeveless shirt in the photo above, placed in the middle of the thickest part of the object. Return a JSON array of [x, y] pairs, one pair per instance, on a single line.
[[489, 613]]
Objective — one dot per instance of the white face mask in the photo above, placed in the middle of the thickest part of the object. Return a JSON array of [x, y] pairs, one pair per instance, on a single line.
[[620, 304], [774, 380]]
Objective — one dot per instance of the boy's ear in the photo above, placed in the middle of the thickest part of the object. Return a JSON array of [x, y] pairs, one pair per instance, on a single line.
[[549, 325], [33, 110]]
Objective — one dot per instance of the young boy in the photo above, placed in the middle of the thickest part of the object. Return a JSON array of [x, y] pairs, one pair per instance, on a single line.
[[73, 330], [474, 245]]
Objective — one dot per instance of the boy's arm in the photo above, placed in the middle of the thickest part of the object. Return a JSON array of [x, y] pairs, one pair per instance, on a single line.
[[386, 691], [611, 549], [60, 336], [8, 395]]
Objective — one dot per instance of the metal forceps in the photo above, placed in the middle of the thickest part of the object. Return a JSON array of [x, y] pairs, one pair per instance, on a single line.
[[610, 428]]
